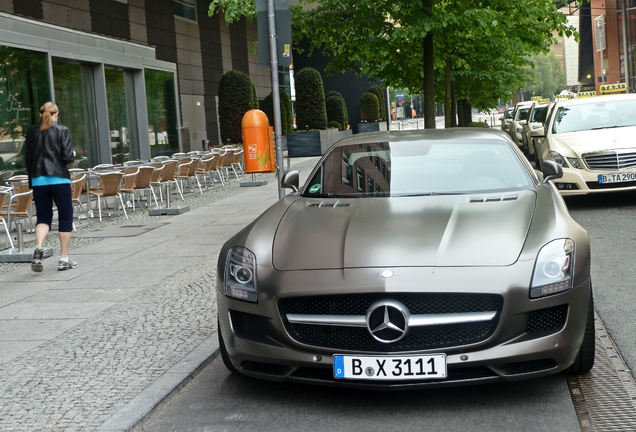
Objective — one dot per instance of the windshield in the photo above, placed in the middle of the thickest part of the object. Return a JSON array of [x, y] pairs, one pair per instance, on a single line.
[[595, 115], [538, 114], [412, 168], [522, 114]]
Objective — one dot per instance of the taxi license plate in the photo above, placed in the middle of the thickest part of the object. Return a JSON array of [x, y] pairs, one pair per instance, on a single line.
[[411, 367], [617, 178]]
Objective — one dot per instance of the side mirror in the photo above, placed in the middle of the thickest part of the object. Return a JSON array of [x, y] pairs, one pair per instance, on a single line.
[[551, 170], [290, 180]]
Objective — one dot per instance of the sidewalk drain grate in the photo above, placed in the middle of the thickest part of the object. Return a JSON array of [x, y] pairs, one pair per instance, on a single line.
[[605, 398]]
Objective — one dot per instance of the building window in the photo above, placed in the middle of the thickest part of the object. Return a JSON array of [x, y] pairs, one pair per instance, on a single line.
[[185, 9], [117, 116], [162, 112], [24, 87]]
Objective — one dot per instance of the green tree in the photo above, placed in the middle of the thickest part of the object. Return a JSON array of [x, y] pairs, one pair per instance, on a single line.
[[369, 107], [236, 97], [310, 100], [379, 93], [549, 77]]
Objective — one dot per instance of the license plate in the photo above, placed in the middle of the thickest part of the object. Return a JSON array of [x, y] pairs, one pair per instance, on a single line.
[[411, 367], [617, 178]]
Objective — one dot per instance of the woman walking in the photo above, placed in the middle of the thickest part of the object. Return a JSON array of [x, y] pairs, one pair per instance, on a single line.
[[48, 151]]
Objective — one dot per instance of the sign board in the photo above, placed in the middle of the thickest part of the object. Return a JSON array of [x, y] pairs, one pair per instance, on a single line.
[[399, 111], [586, 93], [399, 95], [543, 101], [536, 98], [283, 32], [613, 88], [599, 27]]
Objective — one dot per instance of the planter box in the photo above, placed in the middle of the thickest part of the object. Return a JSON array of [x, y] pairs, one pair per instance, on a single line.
[[371, 127], [313, 143]]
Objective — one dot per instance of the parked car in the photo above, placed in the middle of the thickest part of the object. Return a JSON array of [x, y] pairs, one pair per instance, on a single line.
[[409, 259], [506, 120], [592, 139], [533, 128], [519, 118]]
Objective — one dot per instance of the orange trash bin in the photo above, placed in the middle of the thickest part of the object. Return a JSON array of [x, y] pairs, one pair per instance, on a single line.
[[258, 146]]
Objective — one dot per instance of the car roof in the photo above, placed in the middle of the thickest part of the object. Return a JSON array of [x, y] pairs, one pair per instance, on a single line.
[[463, 134], [595, 99]]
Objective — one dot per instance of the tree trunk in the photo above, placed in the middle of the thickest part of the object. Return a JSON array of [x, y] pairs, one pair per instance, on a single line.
[[448, 100], [429, 76], [464, 112], [453, 106]]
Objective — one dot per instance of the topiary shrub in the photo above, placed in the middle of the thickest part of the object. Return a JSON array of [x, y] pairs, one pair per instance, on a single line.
[[478, 124], [369, 107], [310, 100], [236, 97], [334, 124], [379, 93], [336, 111], [286, 118]]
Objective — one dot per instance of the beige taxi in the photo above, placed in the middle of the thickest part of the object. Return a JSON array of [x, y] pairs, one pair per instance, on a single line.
[[594, 141]]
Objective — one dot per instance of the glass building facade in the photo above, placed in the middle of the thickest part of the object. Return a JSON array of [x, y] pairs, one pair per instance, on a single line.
[[114, 113]]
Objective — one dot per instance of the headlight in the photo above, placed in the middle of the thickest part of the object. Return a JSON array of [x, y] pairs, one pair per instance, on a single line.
[[556, 157], [553, 268], [575, 163], [519, 129], [240, 274]]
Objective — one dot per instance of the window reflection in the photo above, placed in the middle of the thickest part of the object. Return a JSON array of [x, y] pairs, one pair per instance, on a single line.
[[73, 85], [117, 116], [24, 87], [411, 168], [162, 112]]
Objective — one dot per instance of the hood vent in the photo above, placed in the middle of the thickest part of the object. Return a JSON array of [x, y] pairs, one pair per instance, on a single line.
[[493, 199], [327, 204]]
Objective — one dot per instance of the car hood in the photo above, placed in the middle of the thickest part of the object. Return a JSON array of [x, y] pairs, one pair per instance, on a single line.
[[449, 230], [578, 143]]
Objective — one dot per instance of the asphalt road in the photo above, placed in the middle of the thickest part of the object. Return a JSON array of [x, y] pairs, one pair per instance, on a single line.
[[611, 221], [218, 401]]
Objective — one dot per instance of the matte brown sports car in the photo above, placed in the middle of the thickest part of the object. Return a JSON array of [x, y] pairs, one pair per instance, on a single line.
[[410, 259]]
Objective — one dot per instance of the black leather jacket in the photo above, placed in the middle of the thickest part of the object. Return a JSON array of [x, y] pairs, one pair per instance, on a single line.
[[48, 152]]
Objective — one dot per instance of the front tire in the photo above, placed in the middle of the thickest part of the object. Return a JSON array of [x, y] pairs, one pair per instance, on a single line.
[[585, 357]]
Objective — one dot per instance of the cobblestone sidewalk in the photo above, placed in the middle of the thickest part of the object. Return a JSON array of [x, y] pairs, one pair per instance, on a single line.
[[86, 343]]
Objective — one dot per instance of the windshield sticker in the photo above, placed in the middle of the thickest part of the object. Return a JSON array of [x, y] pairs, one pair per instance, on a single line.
[[315, 188]]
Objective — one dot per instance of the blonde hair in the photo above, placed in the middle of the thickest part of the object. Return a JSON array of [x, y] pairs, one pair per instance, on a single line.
[[46, 111]]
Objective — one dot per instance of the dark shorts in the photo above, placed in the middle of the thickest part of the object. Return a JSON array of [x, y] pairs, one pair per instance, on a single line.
[[44, 196]]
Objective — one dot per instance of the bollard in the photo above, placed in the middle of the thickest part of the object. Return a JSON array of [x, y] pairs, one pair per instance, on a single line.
[[20, 239], [167, 196]]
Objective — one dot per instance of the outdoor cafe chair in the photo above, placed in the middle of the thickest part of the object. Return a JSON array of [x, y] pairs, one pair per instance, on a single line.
[[18, 208], [161, 158], [128, 186], [237, 161], [78, 185], [192, 173], [109, 185], [169, 175], [207, 167], [5, 194], [104, 166], [143, 183], [183, 171], [227, 159]]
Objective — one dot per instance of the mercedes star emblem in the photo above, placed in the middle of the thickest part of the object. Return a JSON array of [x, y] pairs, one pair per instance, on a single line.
[[387, 320]]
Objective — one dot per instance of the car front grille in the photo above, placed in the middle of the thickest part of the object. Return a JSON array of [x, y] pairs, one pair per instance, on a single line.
[[610, 160], [417, 338]]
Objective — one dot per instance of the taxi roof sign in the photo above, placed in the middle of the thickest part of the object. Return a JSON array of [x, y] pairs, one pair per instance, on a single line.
[[613, 88], [536, 98], [586, 93]]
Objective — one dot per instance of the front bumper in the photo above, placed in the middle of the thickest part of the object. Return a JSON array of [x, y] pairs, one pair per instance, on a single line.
[[511, 352], [583, 182]]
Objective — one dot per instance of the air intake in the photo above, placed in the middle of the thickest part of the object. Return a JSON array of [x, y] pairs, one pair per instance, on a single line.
[[327, 204], [493, 199]]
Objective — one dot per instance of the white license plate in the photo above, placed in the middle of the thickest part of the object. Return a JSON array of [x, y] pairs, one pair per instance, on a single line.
[[411, 367], [617, 178]]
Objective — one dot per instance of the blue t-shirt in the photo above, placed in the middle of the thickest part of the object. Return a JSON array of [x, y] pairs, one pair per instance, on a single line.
[[49, 181]]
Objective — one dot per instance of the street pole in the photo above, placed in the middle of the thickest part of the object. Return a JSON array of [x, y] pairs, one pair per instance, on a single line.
[[625, 47], [388, 109], [273, 54]]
